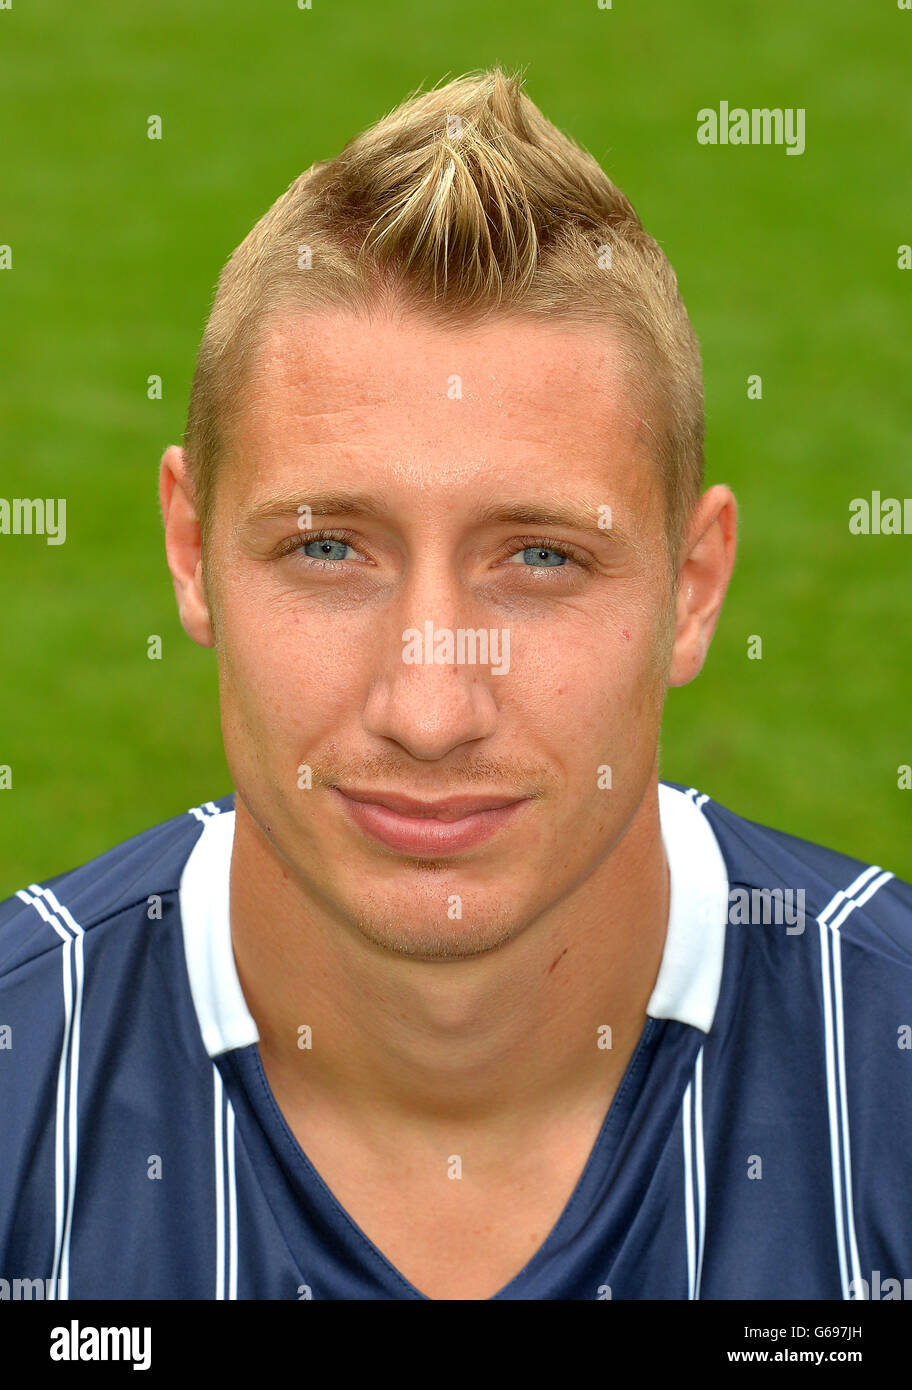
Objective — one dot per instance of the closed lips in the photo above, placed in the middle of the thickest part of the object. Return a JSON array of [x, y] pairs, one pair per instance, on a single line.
[[447, 809]]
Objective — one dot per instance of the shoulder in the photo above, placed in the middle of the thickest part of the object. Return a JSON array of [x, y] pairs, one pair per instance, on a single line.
[[123, 882], [867, 903]]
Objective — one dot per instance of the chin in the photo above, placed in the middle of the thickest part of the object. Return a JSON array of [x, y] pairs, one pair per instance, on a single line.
[[439, 940]]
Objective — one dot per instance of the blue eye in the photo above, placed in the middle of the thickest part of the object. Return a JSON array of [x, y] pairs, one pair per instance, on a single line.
[[326, 549], [543, 556]]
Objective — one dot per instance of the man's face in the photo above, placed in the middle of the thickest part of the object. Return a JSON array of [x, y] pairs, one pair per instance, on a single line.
[[434, 459]]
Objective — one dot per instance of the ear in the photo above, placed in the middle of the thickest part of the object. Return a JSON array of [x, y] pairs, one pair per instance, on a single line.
[[708, 558], [183, 546]]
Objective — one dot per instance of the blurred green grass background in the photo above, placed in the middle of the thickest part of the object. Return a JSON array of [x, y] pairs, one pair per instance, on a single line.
[[788, 267]]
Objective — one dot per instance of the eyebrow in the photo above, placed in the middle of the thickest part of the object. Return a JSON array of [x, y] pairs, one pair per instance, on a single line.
[[577, 516]]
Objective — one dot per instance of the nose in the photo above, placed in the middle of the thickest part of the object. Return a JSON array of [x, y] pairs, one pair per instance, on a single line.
[[433, 689]]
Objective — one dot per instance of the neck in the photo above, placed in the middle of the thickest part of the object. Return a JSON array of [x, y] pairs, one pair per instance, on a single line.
[[505, 1037]]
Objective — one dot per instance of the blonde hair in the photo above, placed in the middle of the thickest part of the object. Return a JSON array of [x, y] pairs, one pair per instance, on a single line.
[[462, 202]]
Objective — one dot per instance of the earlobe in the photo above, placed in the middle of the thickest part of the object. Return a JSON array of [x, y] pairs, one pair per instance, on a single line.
[[183, 546]]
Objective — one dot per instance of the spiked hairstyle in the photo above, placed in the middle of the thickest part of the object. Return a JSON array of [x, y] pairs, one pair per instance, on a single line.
[[463, 202]]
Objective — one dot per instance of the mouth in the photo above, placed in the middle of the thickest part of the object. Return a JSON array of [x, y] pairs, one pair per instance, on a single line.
[[429, 828]]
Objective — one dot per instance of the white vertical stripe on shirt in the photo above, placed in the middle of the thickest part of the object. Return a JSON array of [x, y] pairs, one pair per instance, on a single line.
[[694, 1177], [66, 1130], [219, 1186], [841, 904], [701, 1169], [689, 1193], [232, 1205]]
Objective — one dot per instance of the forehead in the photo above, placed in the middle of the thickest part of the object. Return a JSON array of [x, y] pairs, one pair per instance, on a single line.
[[396, 398]]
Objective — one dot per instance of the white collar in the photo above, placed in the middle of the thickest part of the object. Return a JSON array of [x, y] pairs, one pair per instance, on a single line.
[[224, 1019], [690, 973]]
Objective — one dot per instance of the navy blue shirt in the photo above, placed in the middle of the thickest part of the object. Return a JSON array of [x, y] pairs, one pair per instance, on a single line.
[[757, 1146]]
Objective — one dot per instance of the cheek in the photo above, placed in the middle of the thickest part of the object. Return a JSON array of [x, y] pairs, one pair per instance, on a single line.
[[591, 683], [604, 707], [285, 675]]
